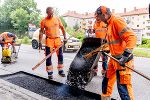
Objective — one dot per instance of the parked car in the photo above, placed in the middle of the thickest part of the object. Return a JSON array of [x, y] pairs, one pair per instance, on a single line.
[[73, 44]]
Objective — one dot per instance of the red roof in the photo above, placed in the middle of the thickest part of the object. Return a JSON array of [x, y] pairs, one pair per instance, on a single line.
[[77, 15], [91, 15], [135, 12]]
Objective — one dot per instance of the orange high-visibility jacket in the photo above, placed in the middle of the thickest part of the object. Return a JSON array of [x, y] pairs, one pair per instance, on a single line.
[[100, 29], [51, 26], [120, 36], [7, 38]]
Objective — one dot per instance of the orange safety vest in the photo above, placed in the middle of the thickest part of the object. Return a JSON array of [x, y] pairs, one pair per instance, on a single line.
[[120, 36], [7, 38], [100, 29], [51, 26]]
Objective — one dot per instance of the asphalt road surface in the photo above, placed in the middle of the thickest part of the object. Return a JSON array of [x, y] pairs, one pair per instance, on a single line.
[[29, 57]]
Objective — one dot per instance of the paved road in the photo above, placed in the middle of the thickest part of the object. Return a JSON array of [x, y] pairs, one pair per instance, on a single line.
[[28, 58]]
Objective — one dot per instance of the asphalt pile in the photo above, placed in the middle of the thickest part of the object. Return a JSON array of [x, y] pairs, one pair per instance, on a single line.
[[49, 88]]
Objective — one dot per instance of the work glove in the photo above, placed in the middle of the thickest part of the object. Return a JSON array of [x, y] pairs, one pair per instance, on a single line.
[[103, 41], [124, 58], [40, 45]]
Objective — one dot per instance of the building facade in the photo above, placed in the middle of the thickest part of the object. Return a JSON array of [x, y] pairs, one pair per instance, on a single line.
[[137, 19], [84, 21]]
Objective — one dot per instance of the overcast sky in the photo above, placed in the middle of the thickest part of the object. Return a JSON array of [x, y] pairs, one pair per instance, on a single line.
[[82, 6]]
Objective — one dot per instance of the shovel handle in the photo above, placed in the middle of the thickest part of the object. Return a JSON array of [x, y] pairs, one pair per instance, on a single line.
[[38, 64], [92, 53], [134, 70]]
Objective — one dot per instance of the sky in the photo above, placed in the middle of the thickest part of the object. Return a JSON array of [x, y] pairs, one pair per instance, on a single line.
[[82, 6]]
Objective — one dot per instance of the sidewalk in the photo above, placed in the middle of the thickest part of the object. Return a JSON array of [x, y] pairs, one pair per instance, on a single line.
[[9, 91]]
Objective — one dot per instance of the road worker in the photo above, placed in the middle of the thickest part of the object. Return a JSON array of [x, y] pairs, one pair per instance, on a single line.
[[8, 38], [50, 26], [122, 40], [99, 28]]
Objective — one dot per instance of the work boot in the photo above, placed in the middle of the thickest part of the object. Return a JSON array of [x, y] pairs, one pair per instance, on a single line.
[[50, 75], [61, 73]]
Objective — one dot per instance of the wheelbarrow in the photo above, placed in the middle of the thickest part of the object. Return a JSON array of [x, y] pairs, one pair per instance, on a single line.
[[81, 71]]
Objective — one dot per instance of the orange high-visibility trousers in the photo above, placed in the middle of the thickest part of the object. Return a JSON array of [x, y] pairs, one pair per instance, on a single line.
[[50, 45], [123, 77]]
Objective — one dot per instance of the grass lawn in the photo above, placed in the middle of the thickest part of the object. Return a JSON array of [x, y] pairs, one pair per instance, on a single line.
[[28, 42], [141, 53]]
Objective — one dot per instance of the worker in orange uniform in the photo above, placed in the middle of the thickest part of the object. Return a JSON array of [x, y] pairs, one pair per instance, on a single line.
[[99, 28], [50, 27], [8, 38], [121, 40]]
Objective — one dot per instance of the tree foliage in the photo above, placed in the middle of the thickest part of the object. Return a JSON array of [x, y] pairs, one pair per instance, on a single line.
[[63, 21], [17, 14], [20, 20]]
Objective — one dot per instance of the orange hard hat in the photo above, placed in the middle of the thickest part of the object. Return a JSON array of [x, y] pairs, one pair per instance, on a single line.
[[102, 10]]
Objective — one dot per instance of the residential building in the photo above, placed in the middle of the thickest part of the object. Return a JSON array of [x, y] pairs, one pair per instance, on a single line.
[[83, 20], [137, 19]]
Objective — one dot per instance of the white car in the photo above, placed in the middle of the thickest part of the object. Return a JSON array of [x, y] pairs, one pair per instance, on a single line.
[[73, 44]]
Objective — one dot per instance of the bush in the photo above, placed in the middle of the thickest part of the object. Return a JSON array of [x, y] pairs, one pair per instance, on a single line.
[[141, 53], [18, 41], [145, 41], [70, 30], [25, 40], [80, 35]]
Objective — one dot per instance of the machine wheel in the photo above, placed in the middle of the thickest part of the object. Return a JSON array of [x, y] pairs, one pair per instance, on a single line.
[[34, 44], [6, 60]]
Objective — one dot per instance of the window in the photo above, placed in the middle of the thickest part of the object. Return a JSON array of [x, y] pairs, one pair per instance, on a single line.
[[148, 34], [137, 25]]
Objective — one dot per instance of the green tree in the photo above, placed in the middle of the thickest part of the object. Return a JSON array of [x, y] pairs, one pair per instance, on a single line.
[[20, 20], [35, 18], [63, 21], [29, 7]]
